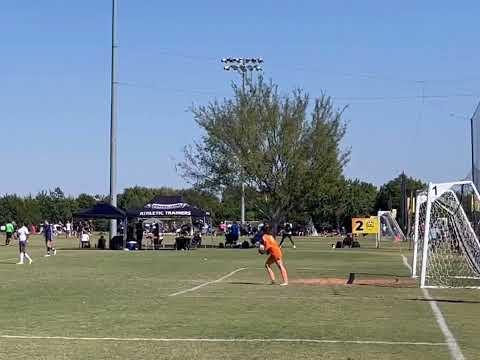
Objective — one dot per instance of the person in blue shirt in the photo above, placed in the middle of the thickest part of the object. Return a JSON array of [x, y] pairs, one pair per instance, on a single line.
[[235, 231]]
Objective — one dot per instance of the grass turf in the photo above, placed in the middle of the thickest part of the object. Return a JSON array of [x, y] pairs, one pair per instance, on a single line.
[[100, 294]]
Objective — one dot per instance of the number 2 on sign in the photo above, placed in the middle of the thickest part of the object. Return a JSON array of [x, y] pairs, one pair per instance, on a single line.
[[359, 227]]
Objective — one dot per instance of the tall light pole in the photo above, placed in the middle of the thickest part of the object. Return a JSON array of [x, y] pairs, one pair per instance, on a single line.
[[113, 125], [243, 66]]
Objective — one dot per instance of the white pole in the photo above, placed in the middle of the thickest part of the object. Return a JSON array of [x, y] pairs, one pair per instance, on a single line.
[[113, 126], [415, 236], [426, 236]]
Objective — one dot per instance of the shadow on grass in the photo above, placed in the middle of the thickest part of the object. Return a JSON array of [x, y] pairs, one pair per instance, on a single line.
[[388, 275], [246, 283], [450, 301], [7, 263]]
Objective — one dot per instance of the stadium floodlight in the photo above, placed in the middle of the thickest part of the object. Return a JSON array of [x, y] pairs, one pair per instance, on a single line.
[[243, 66]]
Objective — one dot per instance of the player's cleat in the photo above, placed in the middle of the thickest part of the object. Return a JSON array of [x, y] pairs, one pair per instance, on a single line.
[[20, 263], [46, 255], [54, 252], [30, 261], [272, 282], [294, 247], [284, 284]]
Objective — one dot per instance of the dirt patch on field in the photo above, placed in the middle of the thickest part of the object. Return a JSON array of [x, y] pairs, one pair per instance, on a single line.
[[386, 282]]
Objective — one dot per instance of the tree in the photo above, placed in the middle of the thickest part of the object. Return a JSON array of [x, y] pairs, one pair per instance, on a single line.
[[267, 141], [390, 194]]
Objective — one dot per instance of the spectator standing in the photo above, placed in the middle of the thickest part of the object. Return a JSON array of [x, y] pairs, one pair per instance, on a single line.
[[85, 240], [9, 230], [68, 229], [235, 232]]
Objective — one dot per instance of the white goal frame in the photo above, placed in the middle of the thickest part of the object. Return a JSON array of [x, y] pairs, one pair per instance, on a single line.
[[422, 240], [394, 226]]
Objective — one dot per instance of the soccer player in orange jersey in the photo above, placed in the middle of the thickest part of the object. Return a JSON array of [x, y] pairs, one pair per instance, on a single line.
[[275, 256]]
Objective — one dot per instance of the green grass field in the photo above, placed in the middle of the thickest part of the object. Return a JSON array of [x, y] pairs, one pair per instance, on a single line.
[[92, 304]]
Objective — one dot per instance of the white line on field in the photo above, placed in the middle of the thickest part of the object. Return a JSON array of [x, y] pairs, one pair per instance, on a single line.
[[452, 344], [442, 324], [405, 262], [207, 283], [228, 340]]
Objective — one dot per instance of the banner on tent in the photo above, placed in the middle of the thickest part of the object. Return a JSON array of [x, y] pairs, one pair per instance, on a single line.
[[165, 213], [365, 225]]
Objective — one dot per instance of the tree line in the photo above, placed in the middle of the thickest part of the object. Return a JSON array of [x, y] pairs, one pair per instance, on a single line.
[[347, 198]]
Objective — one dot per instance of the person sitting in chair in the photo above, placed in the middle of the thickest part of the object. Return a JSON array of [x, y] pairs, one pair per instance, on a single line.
[[348, 241]]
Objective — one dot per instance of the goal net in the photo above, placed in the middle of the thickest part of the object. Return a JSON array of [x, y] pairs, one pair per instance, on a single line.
[[447, 247], [389, 227]]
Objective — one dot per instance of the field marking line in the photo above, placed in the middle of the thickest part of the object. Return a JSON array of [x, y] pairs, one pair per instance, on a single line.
[[227, 340], [405, 262], [208, 283], [442, 324], [452, 343]]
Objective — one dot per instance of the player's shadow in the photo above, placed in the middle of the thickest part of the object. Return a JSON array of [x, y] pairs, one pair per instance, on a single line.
[[7, 263], [450, 301], [246, 283]]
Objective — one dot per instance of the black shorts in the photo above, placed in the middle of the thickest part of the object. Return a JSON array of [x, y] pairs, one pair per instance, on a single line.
[[22, 246], [9, 235]]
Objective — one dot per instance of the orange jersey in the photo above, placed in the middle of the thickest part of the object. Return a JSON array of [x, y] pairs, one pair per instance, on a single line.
[[271, 247]]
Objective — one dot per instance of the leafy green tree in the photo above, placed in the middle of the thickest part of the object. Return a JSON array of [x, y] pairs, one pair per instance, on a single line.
[[269, 142], [85, 201], [390, 194]]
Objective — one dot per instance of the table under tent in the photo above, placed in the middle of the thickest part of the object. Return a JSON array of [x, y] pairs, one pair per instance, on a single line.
[[166, 215], [106, 211]]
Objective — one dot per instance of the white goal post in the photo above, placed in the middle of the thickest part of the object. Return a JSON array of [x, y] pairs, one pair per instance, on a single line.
[[446, 244]]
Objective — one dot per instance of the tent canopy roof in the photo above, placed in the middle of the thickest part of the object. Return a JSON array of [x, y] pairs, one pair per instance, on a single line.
[[101, 210], [167, 207]]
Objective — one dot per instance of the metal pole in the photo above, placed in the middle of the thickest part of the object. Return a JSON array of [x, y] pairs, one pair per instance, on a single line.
[[113, 127], [473, 151], [243, 183]]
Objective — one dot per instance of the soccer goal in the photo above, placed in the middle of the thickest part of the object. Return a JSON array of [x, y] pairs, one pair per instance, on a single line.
[[389, 227], [446, 245]]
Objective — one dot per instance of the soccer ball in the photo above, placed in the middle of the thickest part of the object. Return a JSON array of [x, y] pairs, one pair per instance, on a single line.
[[261, 249]]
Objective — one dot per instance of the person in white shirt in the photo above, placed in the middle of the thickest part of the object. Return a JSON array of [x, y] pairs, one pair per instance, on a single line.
[[85, 240], [22, 244], [68, 229]]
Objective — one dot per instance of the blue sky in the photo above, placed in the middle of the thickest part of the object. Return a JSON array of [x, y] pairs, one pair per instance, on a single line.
[[378, 57]]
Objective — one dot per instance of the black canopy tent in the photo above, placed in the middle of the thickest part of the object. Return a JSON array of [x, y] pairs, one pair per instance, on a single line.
[[103, 210], [168, 208]]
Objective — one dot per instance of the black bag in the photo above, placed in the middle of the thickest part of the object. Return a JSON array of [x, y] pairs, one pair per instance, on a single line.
[[355, 244], [338, 245]]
